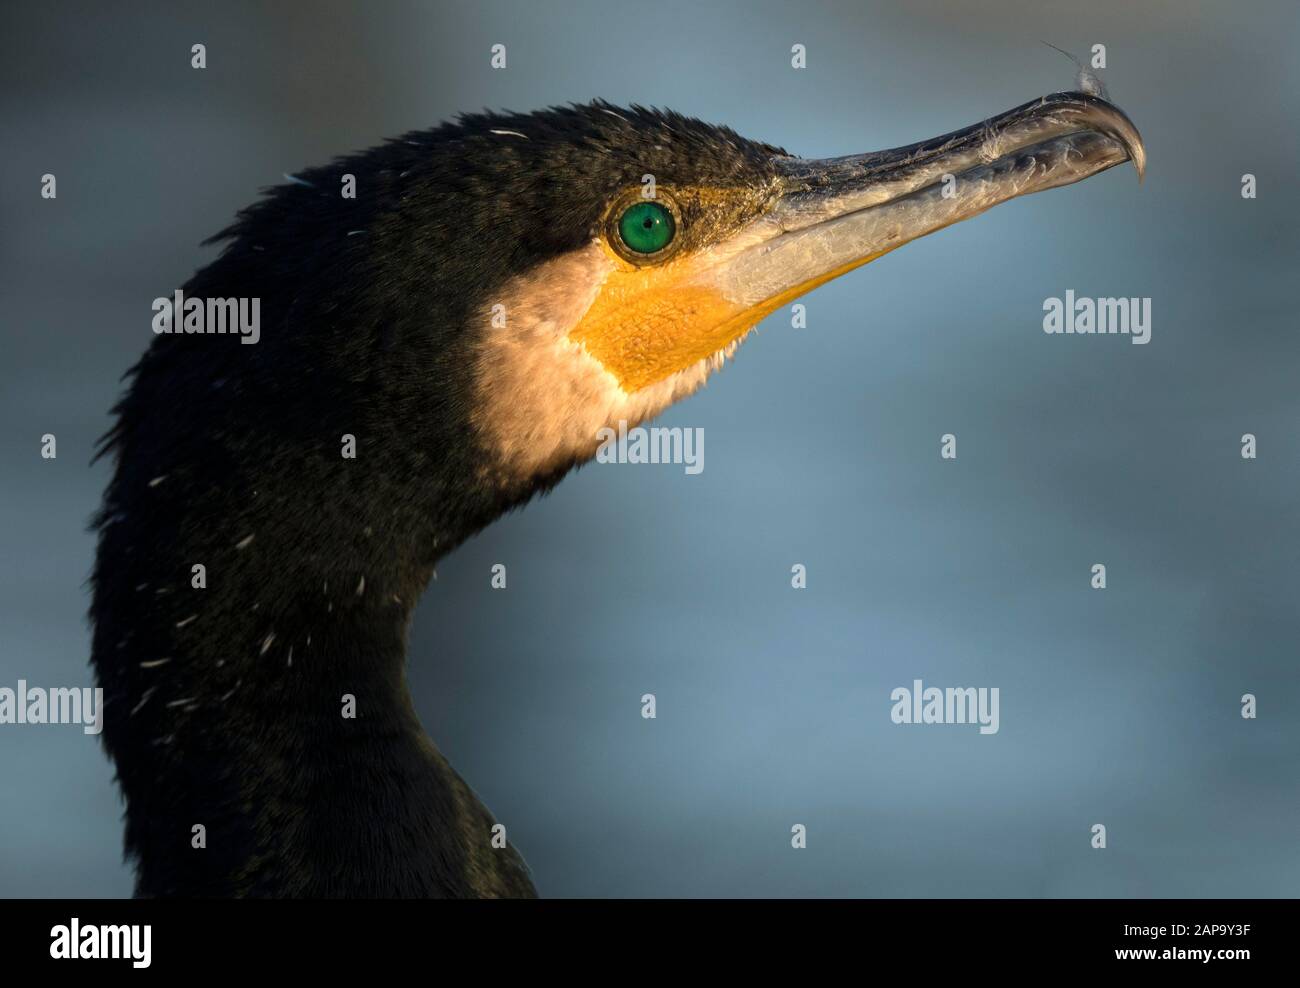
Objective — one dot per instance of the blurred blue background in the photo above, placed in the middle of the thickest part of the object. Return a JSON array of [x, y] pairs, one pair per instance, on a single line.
[[822, 447]]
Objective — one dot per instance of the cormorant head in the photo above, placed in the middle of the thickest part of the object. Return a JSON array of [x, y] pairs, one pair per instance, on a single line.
[[543, 276], [642, 246]]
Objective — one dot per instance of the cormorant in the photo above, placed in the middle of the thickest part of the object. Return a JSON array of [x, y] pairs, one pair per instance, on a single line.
[[500, 289]]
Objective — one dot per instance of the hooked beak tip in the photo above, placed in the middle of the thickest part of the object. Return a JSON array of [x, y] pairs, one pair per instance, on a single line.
[[1137, 153]]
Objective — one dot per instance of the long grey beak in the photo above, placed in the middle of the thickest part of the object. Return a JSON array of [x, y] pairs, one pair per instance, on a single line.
[[834, 214]]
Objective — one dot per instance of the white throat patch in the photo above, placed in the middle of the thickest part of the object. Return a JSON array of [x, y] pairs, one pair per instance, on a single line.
[[541, 398]]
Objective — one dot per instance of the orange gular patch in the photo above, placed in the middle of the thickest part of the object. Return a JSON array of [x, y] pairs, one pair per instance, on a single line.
[[647, 324], [648, 321]]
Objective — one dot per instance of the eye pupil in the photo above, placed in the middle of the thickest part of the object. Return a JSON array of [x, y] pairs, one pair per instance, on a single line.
[[646, 227]]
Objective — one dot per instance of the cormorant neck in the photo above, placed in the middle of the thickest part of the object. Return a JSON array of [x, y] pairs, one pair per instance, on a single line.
[[251, 639], [313, 480]]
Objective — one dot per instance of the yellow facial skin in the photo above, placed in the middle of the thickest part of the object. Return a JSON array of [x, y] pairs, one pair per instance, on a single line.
[[655, 318], [647, 324]]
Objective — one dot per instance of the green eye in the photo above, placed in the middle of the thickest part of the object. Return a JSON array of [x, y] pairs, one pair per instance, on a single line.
[[647, 227]]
